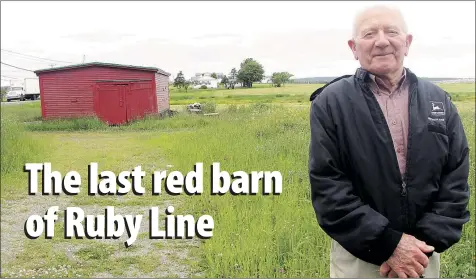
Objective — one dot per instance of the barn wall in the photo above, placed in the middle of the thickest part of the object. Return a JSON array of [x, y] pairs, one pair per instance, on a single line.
[[69, 93], [162, 90]]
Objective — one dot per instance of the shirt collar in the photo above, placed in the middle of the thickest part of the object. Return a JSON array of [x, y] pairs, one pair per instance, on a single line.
[[378, 83]]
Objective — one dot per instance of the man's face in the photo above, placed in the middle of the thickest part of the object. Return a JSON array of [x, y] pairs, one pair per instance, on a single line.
[[380, 43]]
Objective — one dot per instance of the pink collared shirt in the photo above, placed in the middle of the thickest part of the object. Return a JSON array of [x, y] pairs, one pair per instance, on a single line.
[[394, 105]]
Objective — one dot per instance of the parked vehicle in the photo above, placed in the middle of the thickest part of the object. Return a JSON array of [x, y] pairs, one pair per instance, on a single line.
[[28, 90], [32, 88], [15, 93]]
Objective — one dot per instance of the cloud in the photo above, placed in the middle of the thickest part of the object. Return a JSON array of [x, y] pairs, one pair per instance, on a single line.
[[305, 38], [98, 36]]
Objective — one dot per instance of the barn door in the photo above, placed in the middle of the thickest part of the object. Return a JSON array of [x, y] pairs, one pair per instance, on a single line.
[[140, 100], [110, 103]]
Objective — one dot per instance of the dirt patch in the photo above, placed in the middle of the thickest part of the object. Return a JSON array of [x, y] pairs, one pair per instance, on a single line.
[[171, 256], [14, 215]]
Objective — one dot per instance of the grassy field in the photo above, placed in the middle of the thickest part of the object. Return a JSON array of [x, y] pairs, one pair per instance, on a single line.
[[291, 93], [254, 236]]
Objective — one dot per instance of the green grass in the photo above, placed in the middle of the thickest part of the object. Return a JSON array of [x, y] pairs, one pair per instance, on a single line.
[[23, 112], [264, 93], [17, 146], [254, 236], [290, 93]]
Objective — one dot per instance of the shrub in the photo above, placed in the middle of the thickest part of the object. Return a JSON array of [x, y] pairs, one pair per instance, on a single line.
[[260, 107], [232, 108], [209, 107], [203, 87]]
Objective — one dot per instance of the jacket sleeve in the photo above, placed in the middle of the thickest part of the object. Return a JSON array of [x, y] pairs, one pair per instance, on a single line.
[[442, 225], [362, 231]]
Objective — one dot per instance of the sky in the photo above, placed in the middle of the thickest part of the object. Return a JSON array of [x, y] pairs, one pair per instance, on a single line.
[[307, 38]]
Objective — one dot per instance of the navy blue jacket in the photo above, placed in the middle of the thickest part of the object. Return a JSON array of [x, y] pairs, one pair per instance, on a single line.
[[359, 196]]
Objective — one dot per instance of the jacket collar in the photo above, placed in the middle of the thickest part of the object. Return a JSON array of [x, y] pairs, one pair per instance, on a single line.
[[320, 89], [360, 74]]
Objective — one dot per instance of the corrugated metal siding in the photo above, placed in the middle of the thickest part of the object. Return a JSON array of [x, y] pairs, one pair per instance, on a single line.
[[162, 89], [69, 93]]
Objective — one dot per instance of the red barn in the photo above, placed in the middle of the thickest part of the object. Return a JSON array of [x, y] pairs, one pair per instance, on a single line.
[[114, 93]]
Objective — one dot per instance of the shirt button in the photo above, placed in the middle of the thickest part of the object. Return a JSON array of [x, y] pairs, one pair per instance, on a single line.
[[399, 150], [394, 122]]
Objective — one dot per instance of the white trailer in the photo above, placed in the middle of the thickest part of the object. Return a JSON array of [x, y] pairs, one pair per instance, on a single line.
[[31, 88]]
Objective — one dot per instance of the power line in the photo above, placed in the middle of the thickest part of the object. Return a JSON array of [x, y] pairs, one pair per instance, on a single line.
[[17, 67], [31, 59], [36, 57], [11, 77]]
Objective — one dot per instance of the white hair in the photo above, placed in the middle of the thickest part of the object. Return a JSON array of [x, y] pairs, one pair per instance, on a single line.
[[392, 9]]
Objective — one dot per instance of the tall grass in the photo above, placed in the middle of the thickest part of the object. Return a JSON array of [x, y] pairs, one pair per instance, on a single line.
[[255, 236], [22, 112], [274, 236], [460, 260], [17, 146]]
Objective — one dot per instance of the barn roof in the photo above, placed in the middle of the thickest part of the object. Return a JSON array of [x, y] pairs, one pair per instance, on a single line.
[[101, 64]]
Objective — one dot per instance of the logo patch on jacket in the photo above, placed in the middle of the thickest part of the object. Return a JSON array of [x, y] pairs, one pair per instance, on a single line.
[[437, 108], [436, 119]]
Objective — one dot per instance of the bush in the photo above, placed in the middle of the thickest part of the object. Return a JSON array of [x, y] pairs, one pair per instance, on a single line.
[[203, 87], [209, 107], [232, 108], [260, 107]]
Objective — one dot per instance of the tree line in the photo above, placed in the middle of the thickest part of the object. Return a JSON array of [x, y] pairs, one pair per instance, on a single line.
[[250, 71]]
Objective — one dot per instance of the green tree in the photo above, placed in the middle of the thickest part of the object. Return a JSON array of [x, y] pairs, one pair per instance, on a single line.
[[280, 78], [225, 81], [250, 71], [186, 85], [214, 75], [4, 94], [179, 81], [233, 79]]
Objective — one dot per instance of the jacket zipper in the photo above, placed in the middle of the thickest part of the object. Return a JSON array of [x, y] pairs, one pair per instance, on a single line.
[[412, 90], [403, 177], [403, 191]]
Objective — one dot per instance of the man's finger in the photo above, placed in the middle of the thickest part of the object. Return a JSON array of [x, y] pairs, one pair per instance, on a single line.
[[422, 259], [413, 274], [414, 270], [423, 247], [419, 270], [384, 269], [392, 274], [401, 274]]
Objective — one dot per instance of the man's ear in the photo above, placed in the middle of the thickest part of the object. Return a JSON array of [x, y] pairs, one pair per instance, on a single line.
[[409, 41], [351, 44]]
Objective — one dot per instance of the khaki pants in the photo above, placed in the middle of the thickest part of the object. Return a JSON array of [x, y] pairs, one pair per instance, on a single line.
[[344, 265]]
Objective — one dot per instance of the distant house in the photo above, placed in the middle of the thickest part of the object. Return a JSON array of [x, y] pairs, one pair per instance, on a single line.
[[206, 79], [206, 74]]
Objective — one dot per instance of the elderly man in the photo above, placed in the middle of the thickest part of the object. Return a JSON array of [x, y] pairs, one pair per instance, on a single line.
[[388, 162]]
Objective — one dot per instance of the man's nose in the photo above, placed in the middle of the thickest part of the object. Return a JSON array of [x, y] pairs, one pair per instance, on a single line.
[[382, 40]]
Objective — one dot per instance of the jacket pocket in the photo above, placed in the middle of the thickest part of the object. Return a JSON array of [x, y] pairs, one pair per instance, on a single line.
[[436, 150], [437, 128]]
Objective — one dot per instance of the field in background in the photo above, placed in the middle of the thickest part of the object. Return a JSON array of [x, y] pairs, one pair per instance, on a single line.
[[254, 236], [291, 93]]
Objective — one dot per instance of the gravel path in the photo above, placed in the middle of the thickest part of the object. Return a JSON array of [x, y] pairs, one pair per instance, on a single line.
[[172, 254]]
